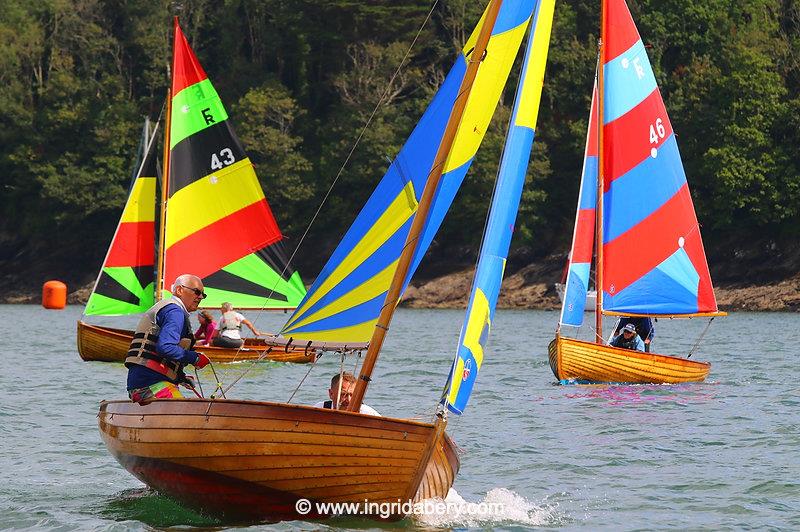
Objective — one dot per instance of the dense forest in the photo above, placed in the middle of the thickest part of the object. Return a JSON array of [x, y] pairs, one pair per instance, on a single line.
[[301, 77]]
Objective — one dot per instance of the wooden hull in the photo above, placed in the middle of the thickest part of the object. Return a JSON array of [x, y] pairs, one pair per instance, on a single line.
[[585, 361], [106, 344], [252, 461]]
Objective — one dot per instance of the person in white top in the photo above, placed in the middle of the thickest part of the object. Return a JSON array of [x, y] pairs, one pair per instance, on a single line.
[[346, 393], [229, 329]]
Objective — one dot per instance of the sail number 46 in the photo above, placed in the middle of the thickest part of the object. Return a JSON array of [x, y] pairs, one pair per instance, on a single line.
[[223, 159], [657, 131]]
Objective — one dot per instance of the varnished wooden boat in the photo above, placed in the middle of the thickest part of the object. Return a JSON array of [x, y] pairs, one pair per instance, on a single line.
[[254, 460], [572, 359], [106, 344]]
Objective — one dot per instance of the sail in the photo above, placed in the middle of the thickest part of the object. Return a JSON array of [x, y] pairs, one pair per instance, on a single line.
[[219, 225], [126, 281], [580, 256], [344, 302], [502, 214], [653, 257]]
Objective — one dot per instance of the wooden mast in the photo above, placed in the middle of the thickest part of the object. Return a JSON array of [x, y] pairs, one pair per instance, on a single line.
[[160, 251], [598, 226], [163, 203], [404, 262]]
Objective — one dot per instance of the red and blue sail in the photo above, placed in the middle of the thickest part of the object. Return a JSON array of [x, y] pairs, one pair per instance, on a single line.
[[344, 302], [653, 257], [580, 256], [502, 214]]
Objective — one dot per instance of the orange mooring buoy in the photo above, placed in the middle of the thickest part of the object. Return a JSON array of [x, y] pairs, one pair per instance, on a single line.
[[54, 295]]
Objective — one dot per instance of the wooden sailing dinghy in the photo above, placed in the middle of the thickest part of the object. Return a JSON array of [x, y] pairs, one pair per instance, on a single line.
[[255, 460], [214, 222], [635, 209], [106, 344]]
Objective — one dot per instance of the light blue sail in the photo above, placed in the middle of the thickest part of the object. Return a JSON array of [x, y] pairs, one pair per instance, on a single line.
[[502, 214]]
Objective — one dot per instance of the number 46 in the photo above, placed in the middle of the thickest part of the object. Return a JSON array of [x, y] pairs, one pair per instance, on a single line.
[[657, 131], [227, 160]]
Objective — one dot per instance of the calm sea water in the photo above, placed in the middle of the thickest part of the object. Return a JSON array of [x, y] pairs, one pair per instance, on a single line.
[[724, 454]]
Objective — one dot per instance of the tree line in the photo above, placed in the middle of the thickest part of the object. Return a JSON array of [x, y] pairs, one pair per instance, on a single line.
[[300, 79]]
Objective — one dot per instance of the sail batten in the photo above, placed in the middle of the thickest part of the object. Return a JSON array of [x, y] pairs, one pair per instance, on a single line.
[[653, 257], [379, 231], [219, 224], [502, 215]]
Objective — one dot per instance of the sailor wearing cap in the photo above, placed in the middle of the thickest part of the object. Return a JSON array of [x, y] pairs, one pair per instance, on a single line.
[[628, 339]]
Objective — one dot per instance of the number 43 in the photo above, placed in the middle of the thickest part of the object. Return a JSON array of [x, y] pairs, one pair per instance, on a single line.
[[227, 159]]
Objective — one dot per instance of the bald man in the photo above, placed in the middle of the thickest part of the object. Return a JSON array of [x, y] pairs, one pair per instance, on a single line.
[[162, 344]]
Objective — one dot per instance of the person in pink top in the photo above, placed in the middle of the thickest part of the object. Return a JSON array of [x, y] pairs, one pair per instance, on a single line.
[[208, 326]]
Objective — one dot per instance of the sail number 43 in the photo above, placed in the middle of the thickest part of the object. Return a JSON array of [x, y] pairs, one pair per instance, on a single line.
[[223, 159]]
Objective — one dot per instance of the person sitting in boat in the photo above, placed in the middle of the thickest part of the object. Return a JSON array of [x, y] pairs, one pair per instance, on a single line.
[[628, 339], [644, 328], [162, 344], [207, 328], [344, 395], [229, 333]]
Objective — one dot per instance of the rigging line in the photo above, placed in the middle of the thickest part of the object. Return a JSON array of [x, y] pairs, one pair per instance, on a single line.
[[702, 335], [339, 391], [353, 148], [310, 367]]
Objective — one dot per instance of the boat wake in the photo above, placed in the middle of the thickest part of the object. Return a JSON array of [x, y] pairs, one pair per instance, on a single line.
[[499, 506]]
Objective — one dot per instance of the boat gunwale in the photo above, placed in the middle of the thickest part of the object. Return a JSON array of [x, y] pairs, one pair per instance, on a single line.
[[249, 404], [635, 354]]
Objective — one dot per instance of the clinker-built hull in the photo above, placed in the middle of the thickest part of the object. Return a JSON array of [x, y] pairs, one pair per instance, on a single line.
[[254, 460], [586, 361], [106, 344]]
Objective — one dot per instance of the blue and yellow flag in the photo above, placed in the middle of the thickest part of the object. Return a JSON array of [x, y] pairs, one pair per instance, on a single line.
[[502, 215]]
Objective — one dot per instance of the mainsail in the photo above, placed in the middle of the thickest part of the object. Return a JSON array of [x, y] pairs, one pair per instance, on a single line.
[[502, 214], [344, 302], [653, 256], [219, 225], [580, 256], [125, 284]]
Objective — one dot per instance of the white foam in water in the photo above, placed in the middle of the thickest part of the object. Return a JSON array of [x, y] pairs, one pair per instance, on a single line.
[[499, 506]]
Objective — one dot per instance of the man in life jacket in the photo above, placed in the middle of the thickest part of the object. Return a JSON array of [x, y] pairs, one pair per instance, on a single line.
[[344, 395], [644, 328], [628, 339], [162, 344], [229, 332]]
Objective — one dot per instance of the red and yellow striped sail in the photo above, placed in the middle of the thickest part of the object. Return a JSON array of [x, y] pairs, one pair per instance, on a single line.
[[125, 284], [219, 225]]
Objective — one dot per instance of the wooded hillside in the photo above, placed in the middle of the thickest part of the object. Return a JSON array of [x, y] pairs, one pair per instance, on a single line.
[[300, 78]]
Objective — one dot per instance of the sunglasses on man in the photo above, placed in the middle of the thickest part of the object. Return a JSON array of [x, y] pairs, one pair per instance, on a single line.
[[199, 293]]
